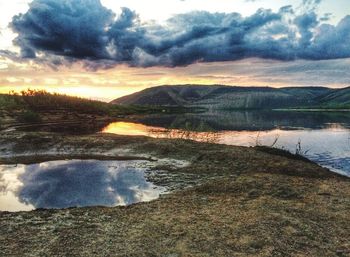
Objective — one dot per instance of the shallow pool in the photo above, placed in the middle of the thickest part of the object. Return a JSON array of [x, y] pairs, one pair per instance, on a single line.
[[74, 183]]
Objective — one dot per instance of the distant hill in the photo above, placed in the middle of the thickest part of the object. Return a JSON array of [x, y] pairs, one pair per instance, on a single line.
[[336, 99], [231, 97]]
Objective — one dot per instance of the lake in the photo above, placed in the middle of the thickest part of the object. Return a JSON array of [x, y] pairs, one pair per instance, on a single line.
[[323, 137], [74, 183]]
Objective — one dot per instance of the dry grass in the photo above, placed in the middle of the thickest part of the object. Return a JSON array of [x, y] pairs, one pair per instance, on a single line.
[[262, 204]]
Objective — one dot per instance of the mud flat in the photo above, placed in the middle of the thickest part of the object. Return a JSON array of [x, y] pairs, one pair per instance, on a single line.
[[233, 201]]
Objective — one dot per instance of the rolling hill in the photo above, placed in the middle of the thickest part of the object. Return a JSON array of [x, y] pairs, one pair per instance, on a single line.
[[232, 97], [336, 99]]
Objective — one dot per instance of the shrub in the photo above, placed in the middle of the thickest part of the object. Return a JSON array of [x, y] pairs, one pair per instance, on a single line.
[[29, 116]]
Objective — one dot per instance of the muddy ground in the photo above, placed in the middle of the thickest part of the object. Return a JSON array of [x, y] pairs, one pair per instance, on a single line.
[[237, 202]]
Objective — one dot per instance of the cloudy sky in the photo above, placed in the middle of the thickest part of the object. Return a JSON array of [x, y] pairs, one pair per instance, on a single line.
[[109, 48]]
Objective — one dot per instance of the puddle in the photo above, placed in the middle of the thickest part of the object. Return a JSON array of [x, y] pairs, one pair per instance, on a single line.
[[75, 183]]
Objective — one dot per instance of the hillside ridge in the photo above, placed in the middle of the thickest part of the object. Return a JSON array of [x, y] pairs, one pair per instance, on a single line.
[[235, 97]]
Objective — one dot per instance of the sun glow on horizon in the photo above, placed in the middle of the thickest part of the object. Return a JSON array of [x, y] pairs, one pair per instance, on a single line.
[[107, 85]]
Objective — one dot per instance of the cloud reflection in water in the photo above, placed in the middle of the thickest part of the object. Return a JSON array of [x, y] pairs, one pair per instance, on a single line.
[[62, 184]]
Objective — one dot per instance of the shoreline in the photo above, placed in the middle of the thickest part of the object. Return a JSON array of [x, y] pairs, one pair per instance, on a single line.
[[233, 201], [312, 110]]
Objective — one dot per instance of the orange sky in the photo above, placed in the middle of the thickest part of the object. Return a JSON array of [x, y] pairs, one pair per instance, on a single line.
[[109, 84]]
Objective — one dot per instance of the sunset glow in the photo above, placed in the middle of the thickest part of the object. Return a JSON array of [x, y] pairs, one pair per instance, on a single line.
[[107, 85], [130, 129]]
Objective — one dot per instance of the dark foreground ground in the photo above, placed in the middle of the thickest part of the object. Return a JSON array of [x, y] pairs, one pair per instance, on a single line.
[[249, 202]]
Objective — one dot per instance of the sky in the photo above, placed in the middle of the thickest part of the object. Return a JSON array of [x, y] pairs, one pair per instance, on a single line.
[[109, 48]]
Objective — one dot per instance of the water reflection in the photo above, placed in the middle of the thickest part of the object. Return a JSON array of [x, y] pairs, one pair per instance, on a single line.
[[137, 129], [248, 120], [323, 137], [62, 184]]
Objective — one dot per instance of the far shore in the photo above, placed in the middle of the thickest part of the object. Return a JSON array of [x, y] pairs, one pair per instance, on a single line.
[[312, 110]]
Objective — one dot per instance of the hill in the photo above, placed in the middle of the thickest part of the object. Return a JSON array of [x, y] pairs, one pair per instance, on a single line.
[[337, 99], [228, 97]]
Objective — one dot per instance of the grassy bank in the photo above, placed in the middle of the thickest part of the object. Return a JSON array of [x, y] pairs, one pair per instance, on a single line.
[[250, 202]]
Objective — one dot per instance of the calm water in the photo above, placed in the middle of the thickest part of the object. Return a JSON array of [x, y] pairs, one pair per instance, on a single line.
[[74, 183], [322, 137]]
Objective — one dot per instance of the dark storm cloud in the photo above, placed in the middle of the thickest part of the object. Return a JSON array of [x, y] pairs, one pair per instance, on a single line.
[[73, 28], [87, 31]]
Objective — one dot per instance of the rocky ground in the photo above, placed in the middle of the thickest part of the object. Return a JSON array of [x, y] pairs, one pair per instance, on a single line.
[[236, 201]]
